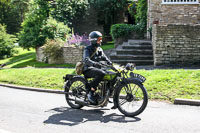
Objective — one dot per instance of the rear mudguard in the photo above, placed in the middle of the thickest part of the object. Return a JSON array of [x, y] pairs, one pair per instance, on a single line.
[[120, 84], [67, 78]]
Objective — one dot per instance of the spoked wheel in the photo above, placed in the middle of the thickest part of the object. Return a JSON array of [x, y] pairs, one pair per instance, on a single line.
[[77, 90], [132, 99]]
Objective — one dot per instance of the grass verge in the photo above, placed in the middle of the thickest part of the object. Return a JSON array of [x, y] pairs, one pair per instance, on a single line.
[[27, 58], [160, 84]]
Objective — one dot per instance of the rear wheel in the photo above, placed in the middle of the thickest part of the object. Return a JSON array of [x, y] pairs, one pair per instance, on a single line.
[[77, 90], [131, 98]]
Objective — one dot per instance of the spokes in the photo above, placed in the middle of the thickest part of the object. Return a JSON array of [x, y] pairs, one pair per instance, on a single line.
[[122, 102], [131, 98], [77, 88]]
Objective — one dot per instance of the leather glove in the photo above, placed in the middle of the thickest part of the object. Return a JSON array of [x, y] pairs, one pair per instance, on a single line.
[[110, 63], [98, 65]]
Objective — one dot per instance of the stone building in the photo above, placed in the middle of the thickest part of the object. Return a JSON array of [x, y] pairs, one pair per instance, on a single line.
[[176, 31]]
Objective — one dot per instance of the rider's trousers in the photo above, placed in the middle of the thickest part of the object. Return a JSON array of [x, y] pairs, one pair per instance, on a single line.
[[95, 73]]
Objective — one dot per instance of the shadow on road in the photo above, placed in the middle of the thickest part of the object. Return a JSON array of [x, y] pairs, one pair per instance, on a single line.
[[72, 117]]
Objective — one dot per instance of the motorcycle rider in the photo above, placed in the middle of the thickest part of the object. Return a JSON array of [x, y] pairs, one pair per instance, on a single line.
[[92, 56]]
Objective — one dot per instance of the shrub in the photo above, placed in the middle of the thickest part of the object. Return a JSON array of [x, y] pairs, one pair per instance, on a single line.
[[119, 30], [34, 35], [6, 43], [53, 49], [55, 30]]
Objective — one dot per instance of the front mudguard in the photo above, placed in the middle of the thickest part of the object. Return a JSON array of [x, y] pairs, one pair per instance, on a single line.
[[120, 84]]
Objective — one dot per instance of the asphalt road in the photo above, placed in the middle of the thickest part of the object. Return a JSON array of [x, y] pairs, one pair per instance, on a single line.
[[36, 112]]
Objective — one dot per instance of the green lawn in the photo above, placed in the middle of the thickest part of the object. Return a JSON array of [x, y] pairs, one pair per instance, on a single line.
[[108, 45], [160, 84], [27, 58]]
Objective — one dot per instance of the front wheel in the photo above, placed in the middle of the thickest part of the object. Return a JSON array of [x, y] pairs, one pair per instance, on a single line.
[[131, 98]]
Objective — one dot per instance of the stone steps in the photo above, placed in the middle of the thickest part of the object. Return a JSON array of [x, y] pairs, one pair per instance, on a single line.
[[137, 62], [139, 52], [141, 42], [134, 52], [137, 46], [132, 57]]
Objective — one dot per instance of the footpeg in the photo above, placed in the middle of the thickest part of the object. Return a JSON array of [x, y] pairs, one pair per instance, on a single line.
[[110, 101], [114, 107]]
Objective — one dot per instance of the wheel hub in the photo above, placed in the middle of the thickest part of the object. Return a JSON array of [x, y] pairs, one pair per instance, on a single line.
[[129, 97]]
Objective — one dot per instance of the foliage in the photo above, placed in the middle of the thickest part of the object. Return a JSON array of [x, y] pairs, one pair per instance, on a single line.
[[119, 30], [55, 30], [6, 43], [12, 14], [53, 48], [68, 10], [20, 6], [132, 8], [78, 40], [40, 25], [107, 11], [141, 16], [37, 27], [31, 34]]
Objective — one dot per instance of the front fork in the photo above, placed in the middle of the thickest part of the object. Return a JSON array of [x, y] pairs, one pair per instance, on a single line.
[[119, 83]]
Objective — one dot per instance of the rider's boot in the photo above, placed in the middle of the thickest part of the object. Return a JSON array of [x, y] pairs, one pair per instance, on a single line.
[[91, 98]]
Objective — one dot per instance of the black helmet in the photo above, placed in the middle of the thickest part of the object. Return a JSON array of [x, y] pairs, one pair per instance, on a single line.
[[93, 36]]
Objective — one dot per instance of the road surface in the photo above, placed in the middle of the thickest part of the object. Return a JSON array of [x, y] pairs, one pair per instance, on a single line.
[[37, 112]]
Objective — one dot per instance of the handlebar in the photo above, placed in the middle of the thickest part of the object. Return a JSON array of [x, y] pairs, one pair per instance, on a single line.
[[109, 66], [129, 67]]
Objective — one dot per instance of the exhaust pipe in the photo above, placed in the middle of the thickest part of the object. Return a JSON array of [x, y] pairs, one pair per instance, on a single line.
[[81, 102]]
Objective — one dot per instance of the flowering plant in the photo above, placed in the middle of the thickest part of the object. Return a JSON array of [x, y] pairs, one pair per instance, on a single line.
[[78, 40]]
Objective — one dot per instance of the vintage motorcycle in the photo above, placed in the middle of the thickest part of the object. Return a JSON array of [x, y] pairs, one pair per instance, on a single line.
[[121, 84]]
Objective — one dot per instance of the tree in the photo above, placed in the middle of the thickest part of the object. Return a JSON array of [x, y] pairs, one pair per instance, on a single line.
[[141, 16], [107, 11], [12, 14], [39, 26], [20, 6], [6, 43], [40, 22], [31, 36], [68, 10]]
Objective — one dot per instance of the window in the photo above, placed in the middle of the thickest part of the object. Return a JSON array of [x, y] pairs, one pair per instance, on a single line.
[[180, 1]]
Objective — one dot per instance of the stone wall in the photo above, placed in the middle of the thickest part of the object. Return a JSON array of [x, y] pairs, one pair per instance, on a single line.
[[172, 13], [71, 55], [39, 55], [176, 44]]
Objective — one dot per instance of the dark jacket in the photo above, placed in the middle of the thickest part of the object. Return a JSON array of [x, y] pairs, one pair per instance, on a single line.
[[91, 62]]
